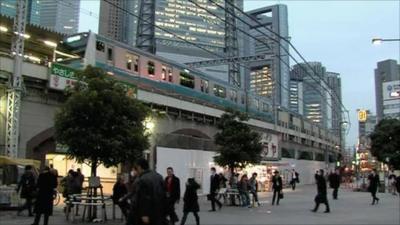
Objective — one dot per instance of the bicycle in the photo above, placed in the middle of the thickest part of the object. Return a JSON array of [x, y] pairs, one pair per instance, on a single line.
[[56, 198]]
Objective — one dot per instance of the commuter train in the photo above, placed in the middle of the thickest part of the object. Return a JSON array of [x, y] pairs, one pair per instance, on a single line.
[[158, 74]]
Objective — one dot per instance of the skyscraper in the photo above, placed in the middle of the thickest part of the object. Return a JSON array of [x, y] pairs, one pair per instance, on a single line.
[[337, 123], [274, 73], [8, 8], [61, 16], [296, 103], [118, 24], [387, 89], [315, 97]]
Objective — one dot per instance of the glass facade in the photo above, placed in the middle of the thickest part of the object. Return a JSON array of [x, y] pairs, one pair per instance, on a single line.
[[261, 81], [8, 8]]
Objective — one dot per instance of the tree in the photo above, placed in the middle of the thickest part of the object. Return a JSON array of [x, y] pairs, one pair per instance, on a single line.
[[385, 142], [238, 144], [100, 123]]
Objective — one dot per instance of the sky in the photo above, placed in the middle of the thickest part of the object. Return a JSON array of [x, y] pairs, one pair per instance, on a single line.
[[336, 33]]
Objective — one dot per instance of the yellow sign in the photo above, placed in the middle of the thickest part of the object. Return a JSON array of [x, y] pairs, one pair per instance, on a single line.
[[362, 115]]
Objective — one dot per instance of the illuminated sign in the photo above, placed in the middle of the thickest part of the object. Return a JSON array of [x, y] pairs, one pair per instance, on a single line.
[[362, 115]]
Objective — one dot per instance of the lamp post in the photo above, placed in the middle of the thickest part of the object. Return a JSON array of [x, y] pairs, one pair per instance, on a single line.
[[378, 41]]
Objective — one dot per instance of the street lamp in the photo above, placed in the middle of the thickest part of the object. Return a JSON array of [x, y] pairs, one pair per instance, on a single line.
[[378, 41]]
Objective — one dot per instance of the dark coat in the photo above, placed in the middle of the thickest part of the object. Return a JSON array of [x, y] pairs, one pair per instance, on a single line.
[[334, 180], [398, 184], [277, 183], [27, 185], [190, 199], [321, 189], [374, 183], [119, 191], [214, 183], [46, 184], [150, 198], [175, 194]]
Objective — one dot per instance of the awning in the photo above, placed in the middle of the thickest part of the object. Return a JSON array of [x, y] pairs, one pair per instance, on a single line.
[[4, 160]]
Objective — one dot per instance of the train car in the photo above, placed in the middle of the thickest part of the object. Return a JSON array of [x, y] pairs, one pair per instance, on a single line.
[[158, 74]]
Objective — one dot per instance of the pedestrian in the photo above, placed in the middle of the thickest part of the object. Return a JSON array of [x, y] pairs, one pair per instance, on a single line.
[[392, 182], [254, 188], [190, 201], [214, 188], [27, 185], [149, 203], [295, 179], [119, 191], [276, 187], [321, 192], [80, 178], [47, 182], [131, 196], [173, 190], [244, 187], [233, 185], [374, 183], [334, 182], [53, 171]]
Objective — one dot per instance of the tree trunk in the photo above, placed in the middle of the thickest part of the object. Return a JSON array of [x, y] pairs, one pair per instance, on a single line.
[[94, 168], [93, 210]]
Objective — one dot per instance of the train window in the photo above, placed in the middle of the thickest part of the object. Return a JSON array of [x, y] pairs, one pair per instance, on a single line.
[[100, 46], [164, 73], [219, 91], [132, 61], [128, 62], [233, 95], [204, 86], [150, 68], [186, 79], [109, 54], [170, 78]]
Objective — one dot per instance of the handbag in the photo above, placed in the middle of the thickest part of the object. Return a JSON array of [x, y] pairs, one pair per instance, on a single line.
[[280, 195], [209, 197]]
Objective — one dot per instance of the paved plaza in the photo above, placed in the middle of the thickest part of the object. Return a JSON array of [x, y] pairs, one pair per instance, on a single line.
[[351, 208]]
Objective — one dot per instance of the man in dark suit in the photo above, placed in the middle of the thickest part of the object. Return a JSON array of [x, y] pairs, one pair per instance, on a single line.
[[334, 182], [374, 183], [214, 187], [173, 189], [322, 192]]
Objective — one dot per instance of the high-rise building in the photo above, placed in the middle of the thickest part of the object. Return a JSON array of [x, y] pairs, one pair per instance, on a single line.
[[61, 16], [8, 8], [296, 103], [269, 78], [387, 89], [118, 24], [316, 100], [334, 84]]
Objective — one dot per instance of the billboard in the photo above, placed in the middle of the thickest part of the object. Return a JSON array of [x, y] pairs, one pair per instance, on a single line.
[[61, 77], [391, 90], [270, 147], [362, 115]]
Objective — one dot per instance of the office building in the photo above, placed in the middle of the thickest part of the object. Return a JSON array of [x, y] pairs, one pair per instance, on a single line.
[[387, 89], [8, 8], [60, 16], [316, 100], [117, 24], [269, 78], [296, 103]]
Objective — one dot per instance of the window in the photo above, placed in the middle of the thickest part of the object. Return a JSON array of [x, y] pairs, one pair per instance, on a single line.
[[219, 91], [204, 86], [233, 95], [265, 107], [164, 73], [186, 79], [132, 61], [243, 99], [100, 46], [150, 68], [109, 54], [128, 62], [256, 104], [170, 78]]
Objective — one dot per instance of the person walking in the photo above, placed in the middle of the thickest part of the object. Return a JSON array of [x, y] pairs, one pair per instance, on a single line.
[[173, 189], [149, 203], [53, 171], [295, 179], [244, 190], [190, 201], [334, 182], [214, 187], [119, 191], [27, 185], [46, 184], [276, 187], [392, 182], [80, 179], [322, 192], [374, 183], [254, 188]]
